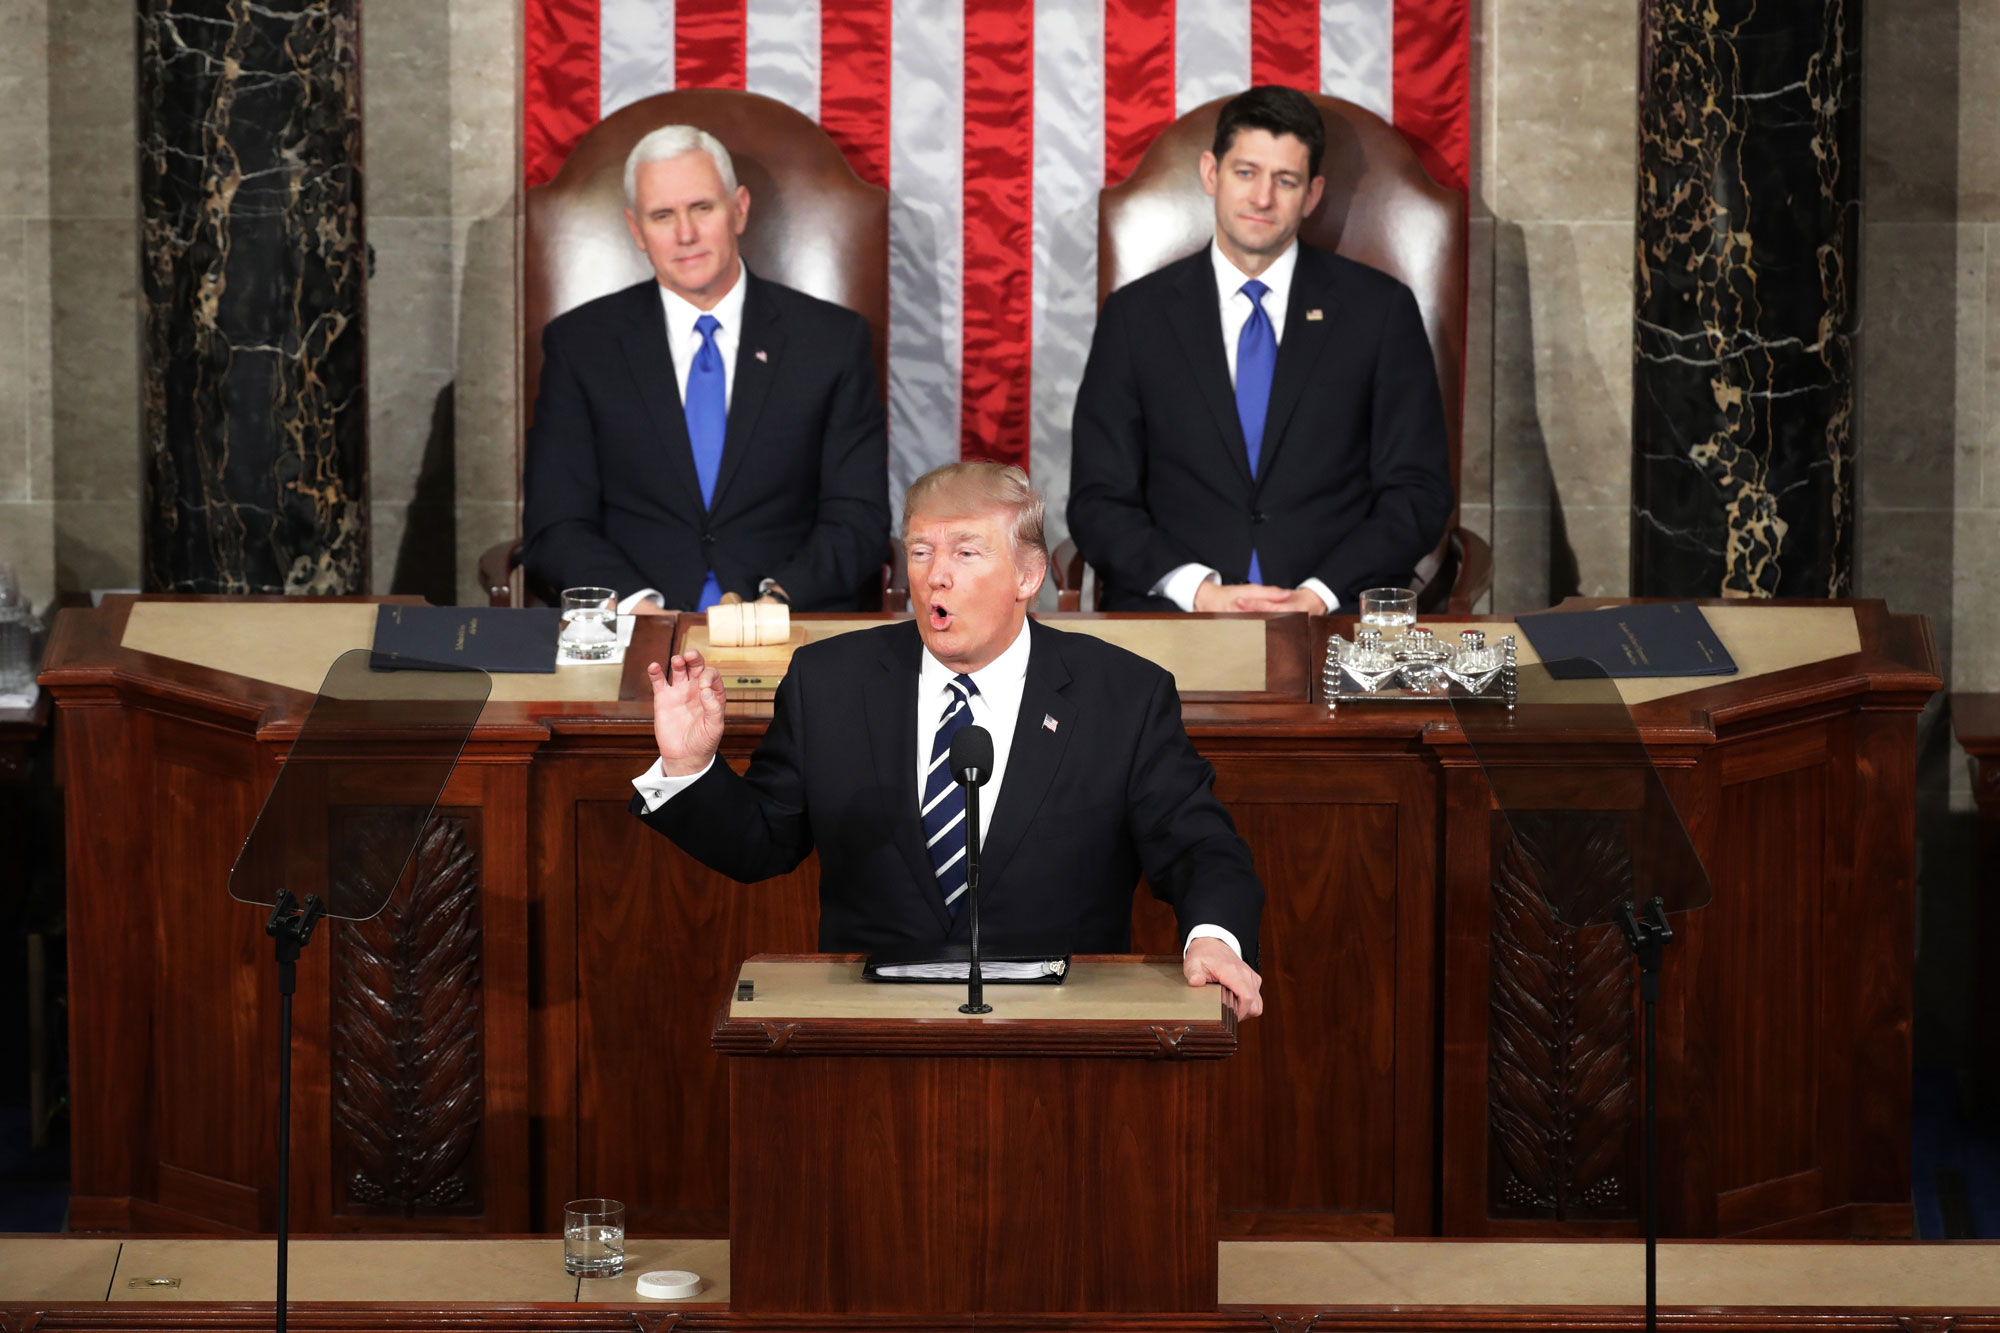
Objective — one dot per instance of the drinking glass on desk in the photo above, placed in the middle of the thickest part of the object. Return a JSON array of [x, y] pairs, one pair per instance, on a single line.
[[1391, 610], [594, 1237], [589, 624]]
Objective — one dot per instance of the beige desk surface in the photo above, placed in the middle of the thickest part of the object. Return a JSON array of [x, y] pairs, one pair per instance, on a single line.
[[1607, 1273], [1203, 655], [56, 1268], [293, 643], [1761, 640], [833, 988], [1964, 1276]]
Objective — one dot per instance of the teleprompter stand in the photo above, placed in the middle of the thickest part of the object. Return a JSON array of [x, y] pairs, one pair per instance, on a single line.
[[1568, 768], [341, 825]]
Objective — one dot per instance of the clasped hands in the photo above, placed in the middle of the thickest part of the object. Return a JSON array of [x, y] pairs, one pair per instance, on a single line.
[[1256, 597], [648, 607]]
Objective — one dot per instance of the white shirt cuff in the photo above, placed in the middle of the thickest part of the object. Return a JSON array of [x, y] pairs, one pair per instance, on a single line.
[[1210, 933], [1180, 584], [656, 788], [625, 606], [1324, 593]]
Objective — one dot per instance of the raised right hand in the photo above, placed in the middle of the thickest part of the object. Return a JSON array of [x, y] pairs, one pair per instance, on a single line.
[[687, 713], [1223, 597]]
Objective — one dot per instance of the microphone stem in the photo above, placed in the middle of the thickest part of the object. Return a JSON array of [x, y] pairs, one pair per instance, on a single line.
[[975, 999]]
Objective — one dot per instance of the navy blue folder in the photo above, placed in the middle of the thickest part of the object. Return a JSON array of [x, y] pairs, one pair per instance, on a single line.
[[1645, 639], [443, 637]]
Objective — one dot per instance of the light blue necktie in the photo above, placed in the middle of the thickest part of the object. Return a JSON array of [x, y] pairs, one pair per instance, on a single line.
[[944, 800], [707, 407], [1256, 359]]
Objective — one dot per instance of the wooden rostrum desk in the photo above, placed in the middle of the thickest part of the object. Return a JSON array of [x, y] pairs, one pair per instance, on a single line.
[[1416, 1071]]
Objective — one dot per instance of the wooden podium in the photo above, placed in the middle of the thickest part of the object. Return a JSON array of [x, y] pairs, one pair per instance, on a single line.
[[888, 1154]]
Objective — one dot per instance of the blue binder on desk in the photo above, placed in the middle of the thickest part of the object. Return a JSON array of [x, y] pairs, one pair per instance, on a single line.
[[448, 638], [1644, 639]]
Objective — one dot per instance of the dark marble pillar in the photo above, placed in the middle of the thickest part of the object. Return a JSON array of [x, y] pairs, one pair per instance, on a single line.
[[250, 185], [1743, 373]]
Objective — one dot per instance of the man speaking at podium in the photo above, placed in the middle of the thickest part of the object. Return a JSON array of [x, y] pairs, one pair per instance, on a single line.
[[1094, 778]]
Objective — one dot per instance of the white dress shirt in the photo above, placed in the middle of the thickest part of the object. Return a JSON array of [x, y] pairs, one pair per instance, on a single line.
[[684, 340], [1180, 584], [996, 707]]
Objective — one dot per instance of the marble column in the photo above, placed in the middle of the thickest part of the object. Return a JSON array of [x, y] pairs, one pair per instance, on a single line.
[[252, 250], [1744, 343]]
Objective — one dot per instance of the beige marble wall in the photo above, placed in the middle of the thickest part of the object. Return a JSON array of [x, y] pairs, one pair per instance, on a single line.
[[1553, 197], [69, 306], [441, 120], [94, 308], [27, 467], [1930, 416]]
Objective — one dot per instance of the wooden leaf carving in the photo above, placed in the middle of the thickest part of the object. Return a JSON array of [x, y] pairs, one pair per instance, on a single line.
[[1560, 1081], [407, 1071]]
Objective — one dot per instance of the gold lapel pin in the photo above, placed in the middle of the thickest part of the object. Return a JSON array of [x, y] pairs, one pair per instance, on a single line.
[[1314, 316]]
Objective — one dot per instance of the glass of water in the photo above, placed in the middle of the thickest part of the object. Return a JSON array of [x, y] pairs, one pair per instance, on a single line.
[[1391, 610], [589, 624], [594, 1237]]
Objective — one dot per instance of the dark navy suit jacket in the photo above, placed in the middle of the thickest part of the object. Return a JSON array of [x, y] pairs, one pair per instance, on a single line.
[[612, 498], [1353, 484], [1115, 789]]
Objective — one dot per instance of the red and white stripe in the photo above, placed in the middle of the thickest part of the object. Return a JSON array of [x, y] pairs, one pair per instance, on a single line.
[[993, 124]]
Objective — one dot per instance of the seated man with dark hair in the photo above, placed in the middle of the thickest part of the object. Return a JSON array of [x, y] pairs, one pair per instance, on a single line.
[[1259, 426], [705, 432]]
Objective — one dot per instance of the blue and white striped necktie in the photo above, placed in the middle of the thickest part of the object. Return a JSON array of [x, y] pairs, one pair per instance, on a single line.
[[944, 800]]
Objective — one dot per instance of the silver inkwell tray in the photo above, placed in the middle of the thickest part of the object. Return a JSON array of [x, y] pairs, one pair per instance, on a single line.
[[1418, 666]]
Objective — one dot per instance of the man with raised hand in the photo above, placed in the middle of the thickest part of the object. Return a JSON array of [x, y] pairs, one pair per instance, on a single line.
[[1094, 779]]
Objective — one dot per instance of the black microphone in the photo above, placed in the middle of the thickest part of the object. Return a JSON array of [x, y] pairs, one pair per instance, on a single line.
[[971, 766], [972, 756]]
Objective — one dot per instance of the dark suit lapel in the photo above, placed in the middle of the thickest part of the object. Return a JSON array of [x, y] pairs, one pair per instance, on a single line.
[[759, 346], [1197, 319], [1036, 754], [892, 737], [652, 364], [1304, 341]]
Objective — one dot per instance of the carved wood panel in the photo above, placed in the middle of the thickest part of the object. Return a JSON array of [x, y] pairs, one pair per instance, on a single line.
[[1562, 1117], [406, 1028]]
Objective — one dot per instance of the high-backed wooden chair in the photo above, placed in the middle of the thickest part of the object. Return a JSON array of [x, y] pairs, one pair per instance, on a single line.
[[1380, 208], [814, 225]]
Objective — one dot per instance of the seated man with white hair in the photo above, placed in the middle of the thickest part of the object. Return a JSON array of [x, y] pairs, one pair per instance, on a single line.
[[705, 431]]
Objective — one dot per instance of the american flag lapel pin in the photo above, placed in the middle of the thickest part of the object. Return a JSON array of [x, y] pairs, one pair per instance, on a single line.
[[1312, 317], [761, 356], [1048, 722]]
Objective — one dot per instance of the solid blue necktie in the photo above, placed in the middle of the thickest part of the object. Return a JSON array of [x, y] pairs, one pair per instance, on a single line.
[[1256, 359], [707, 407], [944, 799]]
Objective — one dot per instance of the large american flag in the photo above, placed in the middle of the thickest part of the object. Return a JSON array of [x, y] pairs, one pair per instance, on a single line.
[[993, 124]]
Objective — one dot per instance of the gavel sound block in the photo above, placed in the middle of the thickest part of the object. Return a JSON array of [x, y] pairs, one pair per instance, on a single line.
[[750, 643]]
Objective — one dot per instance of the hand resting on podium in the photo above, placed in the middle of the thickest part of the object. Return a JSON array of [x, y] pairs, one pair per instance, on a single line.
[[1094, 784]]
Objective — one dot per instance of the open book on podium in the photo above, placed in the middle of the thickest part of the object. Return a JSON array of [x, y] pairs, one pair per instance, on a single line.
[[967, 1155]]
